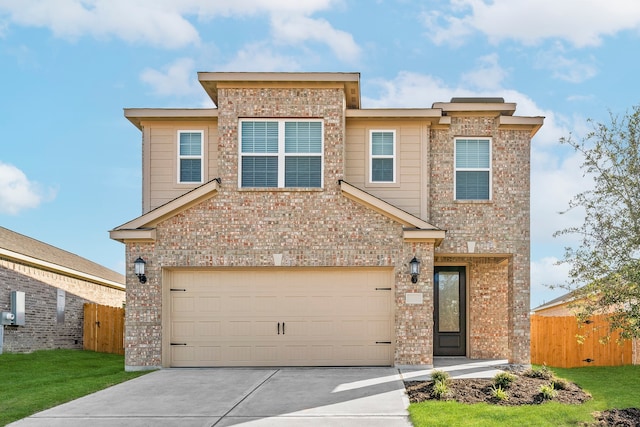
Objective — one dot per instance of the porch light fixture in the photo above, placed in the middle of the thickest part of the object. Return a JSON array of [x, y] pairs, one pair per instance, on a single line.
[[414, 268], [139, 269]]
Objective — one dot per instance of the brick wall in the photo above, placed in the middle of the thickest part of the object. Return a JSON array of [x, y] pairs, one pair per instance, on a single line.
[[41, 330], [245, 228], [499, 226]]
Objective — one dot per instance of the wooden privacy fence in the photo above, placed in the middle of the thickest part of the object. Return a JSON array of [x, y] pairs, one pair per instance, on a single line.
[[103, 328], [554, 342]]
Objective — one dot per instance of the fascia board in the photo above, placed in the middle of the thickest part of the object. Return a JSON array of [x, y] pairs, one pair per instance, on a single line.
[[384, 208], [172, 208]]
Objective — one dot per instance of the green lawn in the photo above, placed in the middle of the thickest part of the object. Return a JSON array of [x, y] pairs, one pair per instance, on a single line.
[[43, 379], [611, 387]]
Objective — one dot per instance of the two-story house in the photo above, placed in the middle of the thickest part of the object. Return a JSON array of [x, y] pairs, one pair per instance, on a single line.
[[291, 227]]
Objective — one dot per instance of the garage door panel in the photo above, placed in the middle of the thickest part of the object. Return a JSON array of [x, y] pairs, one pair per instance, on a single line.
[[206, 304], [331, 317], [183, 304], [208, 329]]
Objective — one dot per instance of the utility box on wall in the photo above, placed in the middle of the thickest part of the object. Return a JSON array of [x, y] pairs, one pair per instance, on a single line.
[[18, 308]]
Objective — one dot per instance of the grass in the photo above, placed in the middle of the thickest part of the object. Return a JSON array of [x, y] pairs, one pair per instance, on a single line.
[[611, 387], [43, 379]]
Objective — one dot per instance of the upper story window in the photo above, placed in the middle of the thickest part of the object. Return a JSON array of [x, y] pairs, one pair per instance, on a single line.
[[281, 153], [473, 169], [190, 151], [382, 166]]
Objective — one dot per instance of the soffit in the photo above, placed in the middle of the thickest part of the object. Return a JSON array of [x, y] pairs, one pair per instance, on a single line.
[[138, 115], [498, 108], [425, 114]]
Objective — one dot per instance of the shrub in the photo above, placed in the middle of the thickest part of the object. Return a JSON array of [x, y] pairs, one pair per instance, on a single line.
[[437, 375], [503, 380], [547, 392], [441, 390], [499, 393], [542, 372], [559, 384]]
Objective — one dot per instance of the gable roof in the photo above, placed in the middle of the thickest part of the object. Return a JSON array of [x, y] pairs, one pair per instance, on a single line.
[[416, 229], [19, 248], [143, 227]]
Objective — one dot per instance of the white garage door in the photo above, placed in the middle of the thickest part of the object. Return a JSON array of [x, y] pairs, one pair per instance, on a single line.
[[281, 317]]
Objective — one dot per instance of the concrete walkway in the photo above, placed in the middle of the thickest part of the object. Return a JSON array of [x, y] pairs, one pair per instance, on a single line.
[[254, 397]]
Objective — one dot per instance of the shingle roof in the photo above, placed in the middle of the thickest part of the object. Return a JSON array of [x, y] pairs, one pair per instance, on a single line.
[[23, 245]]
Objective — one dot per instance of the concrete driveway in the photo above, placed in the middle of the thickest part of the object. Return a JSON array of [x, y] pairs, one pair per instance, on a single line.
[[253, 397]]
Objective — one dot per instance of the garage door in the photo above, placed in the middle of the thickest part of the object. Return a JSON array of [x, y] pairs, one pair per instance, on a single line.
[[281, 317]]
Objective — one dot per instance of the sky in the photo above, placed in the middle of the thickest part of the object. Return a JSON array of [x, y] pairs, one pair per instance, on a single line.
[[70, 163]]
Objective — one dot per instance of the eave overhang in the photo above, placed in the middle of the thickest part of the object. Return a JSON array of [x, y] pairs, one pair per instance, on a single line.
[[139, 115], [430, 114], [59, 269], [532, 124], [143, 228], [349, 82], [415, 229], [476, 106]]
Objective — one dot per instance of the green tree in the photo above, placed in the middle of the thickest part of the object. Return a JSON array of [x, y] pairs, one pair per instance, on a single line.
[[605, 265]]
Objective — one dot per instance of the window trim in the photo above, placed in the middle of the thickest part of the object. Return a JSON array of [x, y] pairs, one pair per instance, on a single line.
[[394, 156], [181, 157], [281, 155], [456, 169]]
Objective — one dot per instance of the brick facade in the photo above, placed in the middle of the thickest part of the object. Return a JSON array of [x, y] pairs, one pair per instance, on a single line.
[[323, 228], [499, 290], [42, 330]]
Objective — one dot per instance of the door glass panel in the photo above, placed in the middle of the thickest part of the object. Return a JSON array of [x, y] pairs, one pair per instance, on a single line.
[[448, 301]]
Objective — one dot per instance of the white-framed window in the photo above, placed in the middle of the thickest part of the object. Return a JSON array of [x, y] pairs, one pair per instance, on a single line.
[[286, 153], [472, 178], [190, 158], [382, 156]]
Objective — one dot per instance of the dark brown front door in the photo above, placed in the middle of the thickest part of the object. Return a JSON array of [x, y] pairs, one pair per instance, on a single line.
[[449, 311]]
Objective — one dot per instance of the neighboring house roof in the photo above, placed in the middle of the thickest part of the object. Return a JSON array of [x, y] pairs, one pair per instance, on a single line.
[[23, 249], [563, 299]]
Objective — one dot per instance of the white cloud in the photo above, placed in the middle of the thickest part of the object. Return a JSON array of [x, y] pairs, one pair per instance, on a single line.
[[554, 181], [487, 75], [143, 21], [176, 79], [17, 193], [563, 67], [546, 272], [165, 23], [576, 21], [260, 57], [297, 29]]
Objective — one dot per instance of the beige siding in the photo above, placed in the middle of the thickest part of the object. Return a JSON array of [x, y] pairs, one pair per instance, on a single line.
[[161, 184], [407, 192]]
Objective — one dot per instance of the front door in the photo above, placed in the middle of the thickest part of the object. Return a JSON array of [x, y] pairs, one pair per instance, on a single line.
[[449, 311]]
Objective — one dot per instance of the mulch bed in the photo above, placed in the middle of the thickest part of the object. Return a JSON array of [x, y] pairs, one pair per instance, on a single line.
[[523, 391]]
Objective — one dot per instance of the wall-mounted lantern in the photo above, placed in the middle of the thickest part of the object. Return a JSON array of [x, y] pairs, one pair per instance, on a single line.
[[139, 269], [414, 268]]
